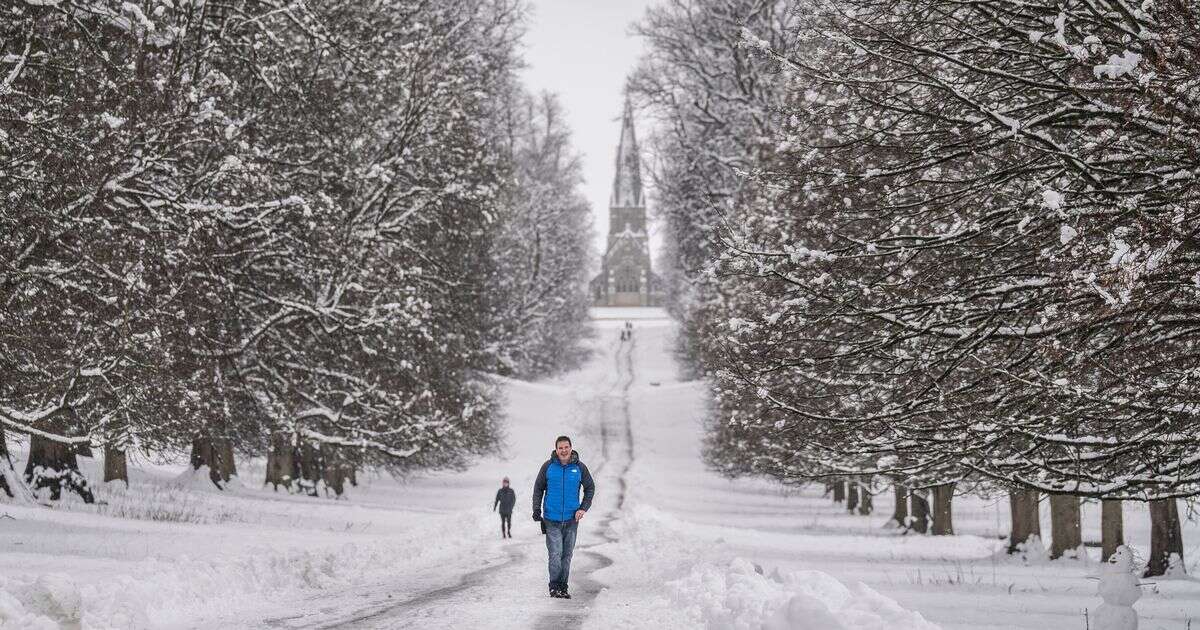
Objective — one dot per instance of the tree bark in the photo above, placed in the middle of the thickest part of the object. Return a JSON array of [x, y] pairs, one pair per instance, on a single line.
[[839, 491], [1112, 528], [335, 469], [900, 511], [1064, 524], [202, 455], [851, 495], [1025, 516], [920, 512], [1166, 538], [943, 517], [115, 468], [228, 464], [311, 468], [281, 462], [6, 466], [865, 503], [54, 465], [217, 454]]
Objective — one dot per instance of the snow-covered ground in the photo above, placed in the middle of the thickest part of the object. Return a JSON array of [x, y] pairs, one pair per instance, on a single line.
[[666, 545]]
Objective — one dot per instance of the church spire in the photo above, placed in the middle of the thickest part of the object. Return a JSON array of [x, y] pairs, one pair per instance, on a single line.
[[627, 183]]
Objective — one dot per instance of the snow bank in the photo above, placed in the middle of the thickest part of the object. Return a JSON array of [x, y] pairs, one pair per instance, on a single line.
[[664, 578], [739, 596], [159, 593]]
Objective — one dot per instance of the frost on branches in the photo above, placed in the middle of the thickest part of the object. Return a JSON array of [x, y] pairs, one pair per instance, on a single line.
[[968, 263], [267, 230]]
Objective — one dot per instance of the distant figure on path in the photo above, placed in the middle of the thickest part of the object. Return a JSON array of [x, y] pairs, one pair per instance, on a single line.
[[556, 503], [506, 498]]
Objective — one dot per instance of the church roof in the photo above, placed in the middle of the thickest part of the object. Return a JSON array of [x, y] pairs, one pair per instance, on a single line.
[[627, 183]]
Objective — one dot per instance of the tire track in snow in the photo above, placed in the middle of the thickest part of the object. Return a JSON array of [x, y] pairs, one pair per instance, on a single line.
[[388, 611], [413, 611], [589, 588]]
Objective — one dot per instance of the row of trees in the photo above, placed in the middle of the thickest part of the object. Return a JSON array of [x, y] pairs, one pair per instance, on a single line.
[[261, 227], [949, 245]]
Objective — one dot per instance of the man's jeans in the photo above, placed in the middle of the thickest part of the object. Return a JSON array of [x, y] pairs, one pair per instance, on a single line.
[[560, 543]]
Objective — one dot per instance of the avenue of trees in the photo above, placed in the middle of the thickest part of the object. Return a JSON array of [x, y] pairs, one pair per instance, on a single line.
[[304, 231], [942, 247]]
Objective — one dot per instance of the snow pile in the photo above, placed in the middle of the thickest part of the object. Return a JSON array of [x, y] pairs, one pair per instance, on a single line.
[[739, 596], [1032, 551], [665, 578], [48, 603], [173, 592], [162, 592]]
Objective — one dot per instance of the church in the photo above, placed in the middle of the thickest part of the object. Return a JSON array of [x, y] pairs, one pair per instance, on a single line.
[[625, 277]]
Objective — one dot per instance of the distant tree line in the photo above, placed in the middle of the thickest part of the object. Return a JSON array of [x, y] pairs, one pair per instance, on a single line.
[[305, 231], [941, 246]]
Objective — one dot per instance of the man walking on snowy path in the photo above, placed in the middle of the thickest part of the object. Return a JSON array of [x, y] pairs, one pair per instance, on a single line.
[[556, 503], [506, 498]]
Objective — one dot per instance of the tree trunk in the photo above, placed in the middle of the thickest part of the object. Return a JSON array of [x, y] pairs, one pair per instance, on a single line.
[[851, 495], [115, 468], [6, 466], [281, 462], [839, 491], [1064, 524], [920, 512], [335, 469], [1026, 518], [1166, 539], [217, 454], [865, 504], [224, 446], [352, 458], [202, 455], [54, 465], [900, 511], [943, 518], [311, 468], [1112, 528]]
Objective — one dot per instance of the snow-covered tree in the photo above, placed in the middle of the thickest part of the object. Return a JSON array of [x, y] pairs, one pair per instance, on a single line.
[[715, 103], [972, 262], [255, 227], [541, 242]]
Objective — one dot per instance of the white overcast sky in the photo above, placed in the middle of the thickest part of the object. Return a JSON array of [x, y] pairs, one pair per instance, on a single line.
[[582, 51]]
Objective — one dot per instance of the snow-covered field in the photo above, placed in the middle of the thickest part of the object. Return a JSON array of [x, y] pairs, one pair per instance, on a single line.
[[667, 544]]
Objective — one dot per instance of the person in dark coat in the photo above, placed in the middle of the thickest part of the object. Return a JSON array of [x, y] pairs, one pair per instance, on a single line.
[[557, 504], [506, 498]]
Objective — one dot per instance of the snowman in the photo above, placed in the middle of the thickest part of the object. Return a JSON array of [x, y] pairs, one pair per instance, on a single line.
[[1119, 589]]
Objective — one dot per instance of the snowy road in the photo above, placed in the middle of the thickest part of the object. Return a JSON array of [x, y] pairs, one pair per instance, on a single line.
[[510, 591], [665, 545]]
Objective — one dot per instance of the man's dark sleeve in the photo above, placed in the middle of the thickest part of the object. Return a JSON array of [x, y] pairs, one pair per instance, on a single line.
[[497, 501], [589, 488], [539, 488]]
